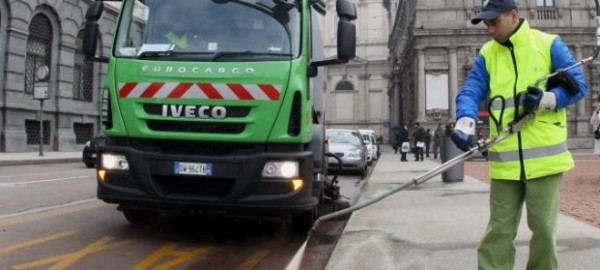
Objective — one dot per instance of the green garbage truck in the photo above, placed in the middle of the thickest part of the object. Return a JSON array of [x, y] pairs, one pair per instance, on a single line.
[[216, 106]]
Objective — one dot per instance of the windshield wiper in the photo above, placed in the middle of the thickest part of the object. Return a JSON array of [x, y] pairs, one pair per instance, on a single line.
[[155, 50], [209, 55], [221, 55], [174, 54], [148, 54]]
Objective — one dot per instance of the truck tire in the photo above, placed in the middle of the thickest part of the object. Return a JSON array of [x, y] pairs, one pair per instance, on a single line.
[[140, 217], [303, 222]]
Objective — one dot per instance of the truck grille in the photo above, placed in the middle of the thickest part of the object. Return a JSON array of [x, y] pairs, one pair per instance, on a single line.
[[195, 127]]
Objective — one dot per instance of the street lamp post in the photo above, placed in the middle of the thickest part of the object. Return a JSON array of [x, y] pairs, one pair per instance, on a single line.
[[40, 92]]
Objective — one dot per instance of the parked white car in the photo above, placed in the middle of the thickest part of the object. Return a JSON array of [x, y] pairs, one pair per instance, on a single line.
[[371, 142]]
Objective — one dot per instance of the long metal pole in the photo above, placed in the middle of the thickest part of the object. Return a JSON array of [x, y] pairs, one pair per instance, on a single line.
[[480, 147], [41, 128]]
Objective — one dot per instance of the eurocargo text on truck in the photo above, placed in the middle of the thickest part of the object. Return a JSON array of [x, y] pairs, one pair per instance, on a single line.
[[215, 106]]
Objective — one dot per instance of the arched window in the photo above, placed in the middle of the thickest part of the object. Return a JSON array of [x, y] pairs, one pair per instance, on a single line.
[[83, 73], [344, 86], [39, 49]]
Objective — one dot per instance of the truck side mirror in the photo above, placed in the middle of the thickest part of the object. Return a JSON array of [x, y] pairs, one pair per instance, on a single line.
[[346, 40], [346, 35], [346, 10], [91, 32]]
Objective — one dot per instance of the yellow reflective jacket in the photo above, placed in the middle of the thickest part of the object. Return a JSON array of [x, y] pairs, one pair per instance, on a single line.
[[540, 148]]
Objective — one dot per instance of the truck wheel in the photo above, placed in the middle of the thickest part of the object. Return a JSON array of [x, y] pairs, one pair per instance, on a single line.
[[303, 222], [135, 216]]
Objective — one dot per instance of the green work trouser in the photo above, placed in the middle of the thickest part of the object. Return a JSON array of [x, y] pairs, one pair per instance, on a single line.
[[541, 197]]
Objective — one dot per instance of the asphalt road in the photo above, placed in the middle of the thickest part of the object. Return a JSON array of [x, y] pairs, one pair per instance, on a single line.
[[50, 219]]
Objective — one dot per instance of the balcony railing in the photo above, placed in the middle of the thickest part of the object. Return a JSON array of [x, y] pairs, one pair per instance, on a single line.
[[547, 14], [541, 13]]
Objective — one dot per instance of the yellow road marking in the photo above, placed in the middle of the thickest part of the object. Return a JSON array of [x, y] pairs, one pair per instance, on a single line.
[[66, 260], [50, 213], [181, 256], [35, 242], [253, 260]]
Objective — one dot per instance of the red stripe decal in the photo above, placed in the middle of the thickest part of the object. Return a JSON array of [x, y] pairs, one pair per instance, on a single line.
[[240, 91], [270, 91], [126, 89], [152, 89], [180, 90], [210, 91]]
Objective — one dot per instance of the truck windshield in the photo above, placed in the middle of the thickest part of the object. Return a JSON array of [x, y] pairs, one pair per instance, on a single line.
[[209, 30]]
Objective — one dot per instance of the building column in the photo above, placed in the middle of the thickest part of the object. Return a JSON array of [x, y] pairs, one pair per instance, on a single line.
[[581, 119], [421, 86], [394, 92], [367, 104], [453, 83], [13, 133]]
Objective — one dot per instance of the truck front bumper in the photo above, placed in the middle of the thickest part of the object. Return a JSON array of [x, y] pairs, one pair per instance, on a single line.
[[235, 184]]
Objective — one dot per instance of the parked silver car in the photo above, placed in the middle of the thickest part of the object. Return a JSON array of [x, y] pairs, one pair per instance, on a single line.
[[349, 146]]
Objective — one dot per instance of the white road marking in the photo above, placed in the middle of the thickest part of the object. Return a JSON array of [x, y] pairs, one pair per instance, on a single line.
[[47, 208], [23, 184], [44, 173]]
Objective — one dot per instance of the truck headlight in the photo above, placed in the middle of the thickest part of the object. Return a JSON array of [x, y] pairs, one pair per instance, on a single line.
[[285, 169], [114, 162]]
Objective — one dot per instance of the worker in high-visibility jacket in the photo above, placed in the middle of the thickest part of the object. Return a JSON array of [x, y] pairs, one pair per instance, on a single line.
[[528, 166]]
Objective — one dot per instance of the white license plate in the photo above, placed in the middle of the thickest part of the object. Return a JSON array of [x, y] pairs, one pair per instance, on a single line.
[[192, 168]]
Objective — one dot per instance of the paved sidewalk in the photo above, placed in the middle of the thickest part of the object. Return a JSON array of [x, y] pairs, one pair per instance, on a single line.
[[30, 158], [439, 225]]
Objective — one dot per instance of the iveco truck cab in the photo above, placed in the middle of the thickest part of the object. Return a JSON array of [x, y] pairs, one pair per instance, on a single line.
[[215, 106]]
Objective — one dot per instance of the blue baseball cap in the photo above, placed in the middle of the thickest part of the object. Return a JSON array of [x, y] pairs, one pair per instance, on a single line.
[[493, 8]]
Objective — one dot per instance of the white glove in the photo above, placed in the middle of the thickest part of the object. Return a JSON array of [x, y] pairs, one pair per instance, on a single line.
[[463, 135], [466, 125], [548, 101]]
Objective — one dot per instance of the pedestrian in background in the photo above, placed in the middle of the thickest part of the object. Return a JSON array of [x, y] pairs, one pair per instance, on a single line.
[[427, 142], [404, 143], [419, 137], [396, 143], [527, 168], [438, 138], [595, 122]]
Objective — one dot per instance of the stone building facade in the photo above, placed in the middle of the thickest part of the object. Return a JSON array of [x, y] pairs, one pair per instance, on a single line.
[[433, 46], [39, 38], [356, 93]]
